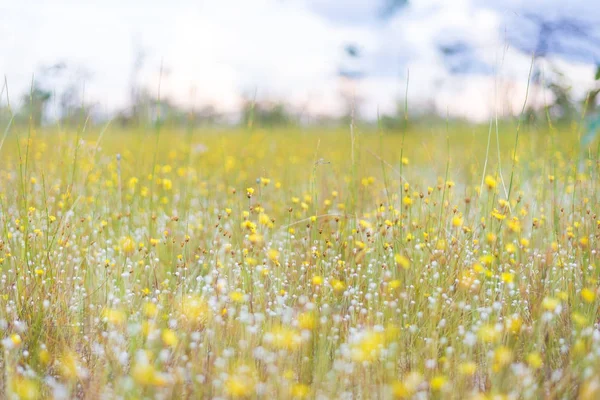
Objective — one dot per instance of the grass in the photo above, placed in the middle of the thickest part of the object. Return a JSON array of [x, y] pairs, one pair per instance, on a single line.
[[298, 264]]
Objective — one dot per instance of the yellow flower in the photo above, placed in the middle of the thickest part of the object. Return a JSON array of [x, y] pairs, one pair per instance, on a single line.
[[69, 366], [114, 316], [588, 295], [407, 386], [534, 360], [502, 357], [317, 280], [25, 388], [150, 309], [550, 303], [300, 391], [249, 192], [490, 182], [394, 284], [438, 382], [488, 334], [457, 221], [368, 347], [16, 340], [402, 261], [498, 215], [590, 389], [264, 219], [400, 391], [144, 374], [169, 338], [486, 259], [368, 181], [194, 309], [239, 385], [306, 321], [44, 357], [514, 225], [467, 368], [236, 297], [255, 238], [249, 225], [365, 224], [338, 285], [514, 325], [273, 256], [281, 337], [133, 181], [579, 319], [128, 245], [507, 277]]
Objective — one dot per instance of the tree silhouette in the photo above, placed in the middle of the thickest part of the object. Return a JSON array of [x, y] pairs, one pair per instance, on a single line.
[[572, 39], [391, 7], [34, 104]]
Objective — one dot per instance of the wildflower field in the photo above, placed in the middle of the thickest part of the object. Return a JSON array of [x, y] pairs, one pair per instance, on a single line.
[[299, 264]]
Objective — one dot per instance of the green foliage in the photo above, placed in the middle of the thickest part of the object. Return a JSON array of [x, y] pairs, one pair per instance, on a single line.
[[266, 115], [34, 105]]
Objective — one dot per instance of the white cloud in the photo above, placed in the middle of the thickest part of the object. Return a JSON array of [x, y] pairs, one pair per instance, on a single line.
[[288, 50], [276, 49]]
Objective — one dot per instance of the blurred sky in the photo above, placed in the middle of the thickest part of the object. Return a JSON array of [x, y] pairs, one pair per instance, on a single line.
[[217, 51]]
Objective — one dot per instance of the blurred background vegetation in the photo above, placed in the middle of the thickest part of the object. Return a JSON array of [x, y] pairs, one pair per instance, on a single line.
[[60, 87]]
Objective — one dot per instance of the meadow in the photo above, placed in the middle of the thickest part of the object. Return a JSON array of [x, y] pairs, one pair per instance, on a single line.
[[441, 262]]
